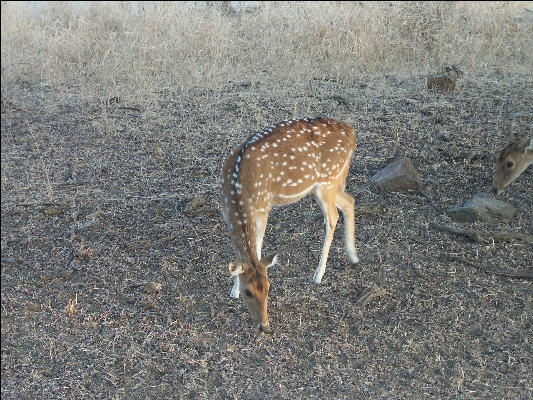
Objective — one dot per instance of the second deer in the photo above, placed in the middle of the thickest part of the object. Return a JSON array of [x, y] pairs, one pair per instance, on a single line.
[[278, 166], [444, 81], [514, 158]]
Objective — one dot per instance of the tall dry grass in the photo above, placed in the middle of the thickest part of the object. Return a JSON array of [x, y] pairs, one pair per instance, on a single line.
[[114, 47]]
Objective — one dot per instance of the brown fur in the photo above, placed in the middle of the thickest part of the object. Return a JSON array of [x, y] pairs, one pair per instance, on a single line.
[[444, 81]]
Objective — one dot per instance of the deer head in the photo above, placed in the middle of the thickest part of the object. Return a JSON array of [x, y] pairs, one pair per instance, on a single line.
[[254, 287], [515, 157]]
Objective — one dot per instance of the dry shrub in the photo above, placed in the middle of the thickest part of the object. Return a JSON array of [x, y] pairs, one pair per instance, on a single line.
[[148, 47]]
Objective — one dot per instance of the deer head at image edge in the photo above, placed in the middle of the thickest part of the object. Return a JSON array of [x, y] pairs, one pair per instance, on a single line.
[[512, 160]]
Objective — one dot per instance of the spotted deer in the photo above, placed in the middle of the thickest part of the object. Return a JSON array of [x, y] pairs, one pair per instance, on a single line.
[[514, 158], [275, 167], [446, 80]]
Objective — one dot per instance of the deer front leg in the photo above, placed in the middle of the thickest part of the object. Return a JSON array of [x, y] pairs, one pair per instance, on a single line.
[[326, 201]]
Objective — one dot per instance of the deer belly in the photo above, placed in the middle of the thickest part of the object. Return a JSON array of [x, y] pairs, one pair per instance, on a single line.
[[291, 195]]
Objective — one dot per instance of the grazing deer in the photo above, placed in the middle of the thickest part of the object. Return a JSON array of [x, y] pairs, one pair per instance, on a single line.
[[278, 166], [515, 157], [446, 80]]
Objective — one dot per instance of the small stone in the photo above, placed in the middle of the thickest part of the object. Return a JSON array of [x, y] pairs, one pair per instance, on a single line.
[[153, 287], [482, 207], [399, 176], [475, 330], [32, 307], [197, 202], [94, 215]]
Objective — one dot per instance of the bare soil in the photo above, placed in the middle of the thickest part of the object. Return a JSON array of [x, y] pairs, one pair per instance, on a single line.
[[115, 286]]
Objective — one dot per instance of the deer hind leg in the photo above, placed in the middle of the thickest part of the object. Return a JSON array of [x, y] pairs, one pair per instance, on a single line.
[[325, 198], [345, 203]]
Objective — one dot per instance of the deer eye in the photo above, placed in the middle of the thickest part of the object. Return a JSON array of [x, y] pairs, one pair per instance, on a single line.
[[248, 293], [510, 164]]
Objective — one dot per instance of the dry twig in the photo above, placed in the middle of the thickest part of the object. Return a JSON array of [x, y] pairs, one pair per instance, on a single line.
[[369, 294], [527, 274], [484, 238]]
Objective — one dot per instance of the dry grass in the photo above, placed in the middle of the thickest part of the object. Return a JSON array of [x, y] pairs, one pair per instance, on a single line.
[[115, 281], [115, 48]]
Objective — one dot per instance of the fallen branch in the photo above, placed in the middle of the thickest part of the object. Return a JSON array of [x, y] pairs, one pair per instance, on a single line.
[[39, 204], [369, 294], [528, 274], [478, 237]]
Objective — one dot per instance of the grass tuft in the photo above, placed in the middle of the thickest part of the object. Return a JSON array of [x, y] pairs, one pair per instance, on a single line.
[[119, 48]]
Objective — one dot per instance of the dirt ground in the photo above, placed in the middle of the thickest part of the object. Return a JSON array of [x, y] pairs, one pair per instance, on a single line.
[[96, 205]]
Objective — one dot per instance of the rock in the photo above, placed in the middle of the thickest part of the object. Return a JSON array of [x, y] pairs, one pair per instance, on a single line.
[[482, 207], [153, 287], [32, 307], [399, 176], [475, 330], [197, 202]]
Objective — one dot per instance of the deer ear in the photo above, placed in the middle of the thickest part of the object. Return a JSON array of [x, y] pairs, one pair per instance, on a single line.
[[529, 147], [510, 136], [270, 260], [448, 69], [235, 268]]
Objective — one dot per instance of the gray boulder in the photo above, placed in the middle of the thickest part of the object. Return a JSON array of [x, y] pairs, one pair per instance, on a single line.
[[482, 207], [398, 176]]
